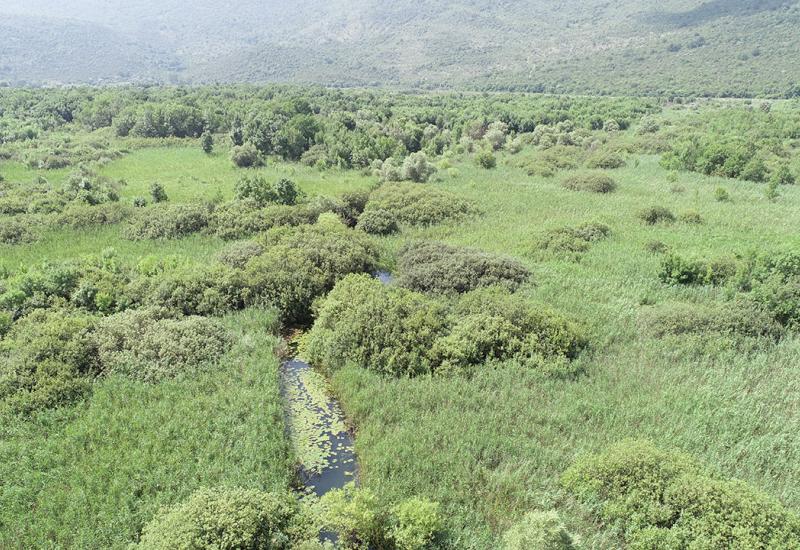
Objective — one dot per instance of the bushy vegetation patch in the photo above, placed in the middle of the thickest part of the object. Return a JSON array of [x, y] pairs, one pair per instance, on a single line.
[[164, 221], [605, 159], [241, 219], [573, 240], [664, 499], [229, 519], [262, 192], [418, 204], [237, 254], [78, 216], [543, 530], [656, 214], [246, 156], [593, 182], [739, 317], [15, 231], [302, 264], [378, 222], [676, 269], [398, 332], [441, 268], [361, 520]]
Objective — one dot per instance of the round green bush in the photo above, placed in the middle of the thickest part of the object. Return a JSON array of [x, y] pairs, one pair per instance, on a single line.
[[378, 222], [246, 156], [590, 182], [656, 214], [485, 159], [16, 231], [237, 254], [539, 530], [605, 160], [257, 189], [228, 519], [165, 221], [419, 204], [573, 240]]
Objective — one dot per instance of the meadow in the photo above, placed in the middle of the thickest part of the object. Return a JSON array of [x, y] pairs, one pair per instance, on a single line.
[[488, 440]]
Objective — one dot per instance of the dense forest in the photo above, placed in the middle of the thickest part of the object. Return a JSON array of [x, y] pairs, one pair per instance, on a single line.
[[715, 48], [549, 321]]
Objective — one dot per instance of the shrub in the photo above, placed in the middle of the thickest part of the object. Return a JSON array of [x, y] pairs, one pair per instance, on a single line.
[[646, 492], [15, 231], [353, 204], [378, 222], [657, 247], [485, 159], [691, 217], [139, 202], [237, 254], [158, 193], [721, 195], [741, 317], [417, 204], [605, 160], [385, 329], [47, 359], [241, 219], [414, 523], [261, 192], [783, 176], [246, 156], [590, 182], [89, 187], [656, 214], [167, 222], [78, 216], [228, 519], [540, 530], [677, 270], [417, 168], [303, 263], [437, 267], [207, 142], [152, 344], [573, 240]]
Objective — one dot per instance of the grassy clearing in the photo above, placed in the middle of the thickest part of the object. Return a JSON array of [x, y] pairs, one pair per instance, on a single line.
[[92, 475]]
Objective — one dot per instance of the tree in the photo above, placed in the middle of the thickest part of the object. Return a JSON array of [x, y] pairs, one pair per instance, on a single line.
[[207, 142]]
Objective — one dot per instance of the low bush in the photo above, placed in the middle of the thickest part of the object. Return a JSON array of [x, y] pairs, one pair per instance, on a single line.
[[16, 231], [573, 240], [237, 254], [417, 168], [740, 317], [89, 187], [486, 159], [229, 519], [440, 268], [605, 160], [659, 497], [656, 214], [353, 205], [246, 156], [419, 204], [677, 270], [47, 359], [258, 190], [540, 530], [152, 344], [78, 216], [242, 219], [158, 193], [657, 247], [167, 222], [590, 182], [378, 222], [691, 217]]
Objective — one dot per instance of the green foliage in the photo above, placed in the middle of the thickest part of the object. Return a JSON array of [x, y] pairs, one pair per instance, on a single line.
[[605, 160], [241, 219], [88, 187], [739, 317], [541, 530], [417, 168], [485, 159], [246, 156], [158, 193], [440, 268], [207, 142], [164, 221], [573, 240], [678, 270], [639, 488], [721, 195], [228, 519], [79, 216], [691, 217], [14, 231], [416, 204], [594, 182], [656, 214], [378, 222], [237, 254], [414, 524], [154, 344], [257, 189]]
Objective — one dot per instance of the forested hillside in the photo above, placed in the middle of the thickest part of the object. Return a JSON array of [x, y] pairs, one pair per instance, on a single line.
[[675, 47]]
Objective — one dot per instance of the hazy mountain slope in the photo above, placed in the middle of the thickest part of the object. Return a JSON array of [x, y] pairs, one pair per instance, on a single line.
[[716, 47]]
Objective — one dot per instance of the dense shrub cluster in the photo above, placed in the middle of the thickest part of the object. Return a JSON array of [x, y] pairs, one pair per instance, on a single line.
[[676, 269], [541, 530], [437, 267], [573, 240], [739, 317], [664, 499], [403, 333], [246, 156], [165, 221], [78, 216], [605, 160], [261, 192], [418, 204], [656, 214], [241, 219], [229, 519], [594, 182], [362, 521], [378, 222], [16, 231]]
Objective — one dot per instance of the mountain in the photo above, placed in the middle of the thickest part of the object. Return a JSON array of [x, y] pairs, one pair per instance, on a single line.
[[686, 47]]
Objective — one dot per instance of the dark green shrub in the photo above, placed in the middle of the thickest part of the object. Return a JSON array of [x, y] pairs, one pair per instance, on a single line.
[[741, 317], [646, 492], [303, 263], [47, 359], [591, 182], [414, 523], [385, 329], [229, 519], [656, 214], [419, 204], [353, 205], [16, 231], [485, 159], [677, 270], [246, 156], [139, 202], [378, 222], [78, 216], [540, 530], [657, 247], [152, 344], [437, 267], [417, 168], [721, 195], [573, 240], [88, 187], [605, 160], [257, 189], [237, 254], [242, 219], [167, 222], [158, 193], [783, 175], [691, 217]]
